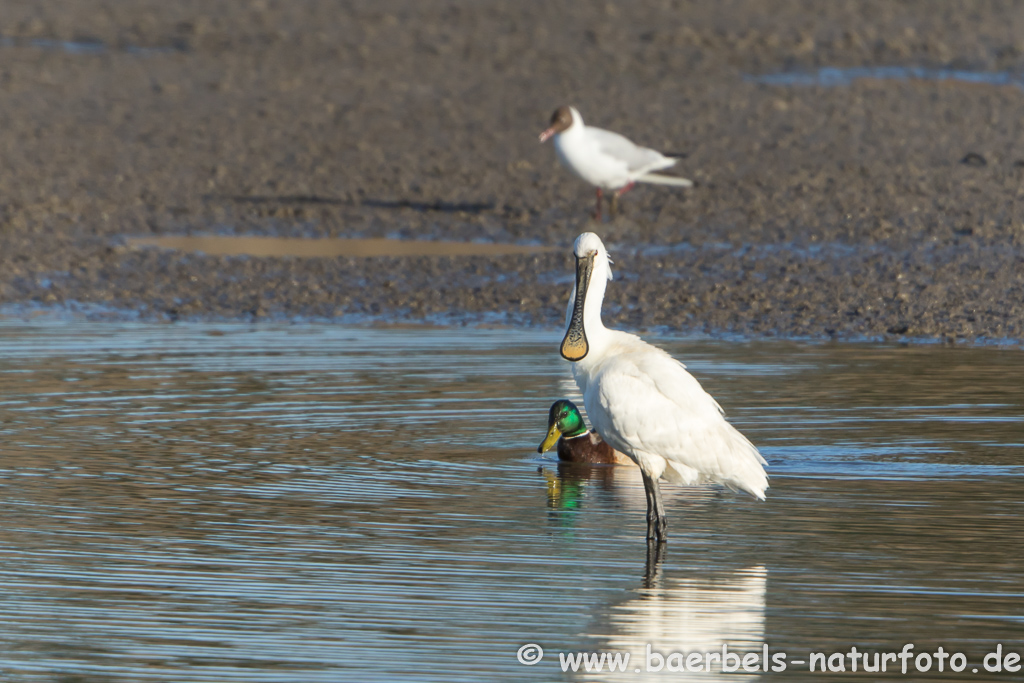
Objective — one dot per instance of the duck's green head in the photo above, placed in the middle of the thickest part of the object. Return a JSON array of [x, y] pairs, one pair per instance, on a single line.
[[564, 419]]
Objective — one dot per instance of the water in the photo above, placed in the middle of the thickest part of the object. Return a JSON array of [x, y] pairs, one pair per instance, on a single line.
[[315, 503], [230, 245], [85, 47], [836, 76]]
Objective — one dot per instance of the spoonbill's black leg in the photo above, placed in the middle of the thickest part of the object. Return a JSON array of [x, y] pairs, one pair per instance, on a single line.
[[657, 524]]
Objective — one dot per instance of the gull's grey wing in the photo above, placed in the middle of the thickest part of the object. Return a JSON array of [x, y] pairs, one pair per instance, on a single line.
[[638, 160]]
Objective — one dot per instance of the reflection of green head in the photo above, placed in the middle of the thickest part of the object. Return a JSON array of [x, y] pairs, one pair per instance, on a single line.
[[567, 416]]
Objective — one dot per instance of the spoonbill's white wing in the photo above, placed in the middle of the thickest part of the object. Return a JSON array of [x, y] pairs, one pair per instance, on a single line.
[[646, 400], [637, 160]]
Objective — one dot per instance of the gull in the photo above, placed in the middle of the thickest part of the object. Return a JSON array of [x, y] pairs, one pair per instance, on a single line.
[[645, 404], [605, 159]]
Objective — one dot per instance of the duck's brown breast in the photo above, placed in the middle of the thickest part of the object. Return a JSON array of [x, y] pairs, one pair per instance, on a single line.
[[590, 448]]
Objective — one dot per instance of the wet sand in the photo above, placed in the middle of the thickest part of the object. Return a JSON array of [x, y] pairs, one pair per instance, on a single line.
[[877, 207]]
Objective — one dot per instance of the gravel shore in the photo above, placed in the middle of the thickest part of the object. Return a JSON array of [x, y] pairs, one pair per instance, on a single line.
[[878, 207]]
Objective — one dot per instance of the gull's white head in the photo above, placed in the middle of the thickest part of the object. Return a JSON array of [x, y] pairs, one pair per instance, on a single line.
[[563, 119]]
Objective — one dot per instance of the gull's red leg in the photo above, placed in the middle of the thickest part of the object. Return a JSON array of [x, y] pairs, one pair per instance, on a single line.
[[597, 212], [614, 208]]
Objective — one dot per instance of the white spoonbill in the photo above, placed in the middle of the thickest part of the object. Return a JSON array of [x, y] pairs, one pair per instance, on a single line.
[[605, 159], [644, 402]]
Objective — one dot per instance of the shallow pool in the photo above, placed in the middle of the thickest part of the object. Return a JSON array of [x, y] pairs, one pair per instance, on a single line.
[[318, 503]]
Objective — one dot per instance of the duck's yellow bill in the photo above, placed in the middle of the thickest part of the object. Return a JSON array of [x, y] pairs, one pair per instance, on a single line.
[[550, 440]]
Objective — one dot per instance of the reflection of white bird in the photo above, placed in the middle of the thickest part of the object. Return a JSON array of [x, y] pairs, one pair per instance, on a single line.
[[644, 402], [606, 159], [686, 614]]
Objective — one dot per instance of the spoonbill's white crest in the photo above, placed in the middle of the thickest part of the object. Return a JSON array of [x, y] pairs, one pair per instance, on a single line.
[[644, 402], [606, 159]]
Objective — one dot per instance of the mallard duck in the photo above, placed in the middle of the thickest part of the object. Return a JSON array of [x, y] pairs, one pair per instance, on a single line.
[[644, 402], [576, 443]]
